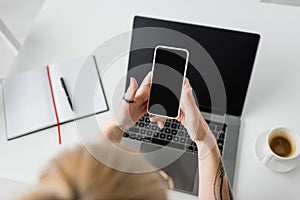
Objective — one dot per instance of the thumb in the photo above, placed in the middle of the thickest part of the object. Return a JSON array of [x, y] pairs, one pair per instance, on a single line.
[[188, 98], [131, 91], [159, 120]]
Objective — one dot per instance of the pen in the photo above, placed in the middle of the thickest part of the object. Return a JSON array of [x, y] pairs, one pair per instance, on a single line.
[[66, 92]]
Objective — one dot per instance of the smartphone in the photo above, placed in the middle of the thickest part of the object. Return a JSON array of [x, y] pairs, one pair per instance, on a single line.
[[168, 73]]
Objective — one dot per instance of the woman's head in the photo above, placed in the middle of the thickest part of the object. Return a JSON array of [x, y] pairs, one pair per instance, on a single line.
[[75, 174]]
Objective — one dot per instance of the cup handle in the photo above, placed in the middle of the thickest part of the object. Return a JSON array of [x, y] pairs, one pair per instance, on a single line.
[[267, 159]]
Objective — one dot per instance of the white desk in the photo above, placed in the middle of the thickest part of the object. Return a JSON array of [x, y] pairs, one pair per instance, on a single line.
[[73, 28]]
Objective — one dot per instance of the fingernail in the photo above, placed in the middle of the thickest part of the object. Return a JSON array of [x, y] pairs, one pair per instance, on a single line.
[[131, 80]]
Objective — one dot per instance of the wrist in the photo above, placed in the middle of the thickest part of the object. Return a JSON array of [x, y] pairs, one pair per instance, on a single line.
[[206, 144], [207, 140], [202, 130], [112, 131], [119, 123]]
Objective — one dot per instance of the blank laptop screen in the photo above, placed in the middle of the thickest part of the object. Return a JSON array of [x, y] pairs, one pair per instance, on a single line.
[[233, 52]]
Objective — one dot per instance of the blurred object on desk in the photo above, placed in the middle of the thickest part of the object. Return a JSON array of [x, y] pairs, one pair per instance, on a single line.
[[284, 2]]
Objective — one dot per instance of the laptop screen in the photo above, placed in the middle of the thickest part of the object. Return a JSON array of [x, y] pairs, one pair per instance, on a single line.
[[233, 52]]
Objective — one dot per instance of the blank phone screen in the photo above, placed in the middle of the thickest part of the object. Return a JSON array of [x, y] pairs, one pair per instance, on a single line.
[[167, 79]]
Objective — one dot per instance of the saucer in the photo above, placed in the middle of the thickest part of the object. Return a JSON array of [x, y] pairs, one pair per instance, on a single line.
[[260, 152], [259, 147]]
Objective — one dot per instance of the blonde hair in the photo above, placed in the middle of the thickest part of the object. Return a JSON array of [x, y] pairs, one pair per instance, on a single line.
[[75, 174]]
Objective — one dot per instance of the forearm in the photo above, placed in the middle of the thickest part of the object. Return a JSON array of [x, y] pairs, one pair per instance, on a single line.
[[213, 183]]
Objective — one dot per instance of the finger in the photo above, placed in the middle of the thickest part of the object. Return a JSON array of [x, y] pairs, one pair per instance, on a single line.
[[143, 93], [157, 118], [187, 92], [188, 97], [160, 121], [147, 80], [179, 118], [186, 83], [160, 124], [131, 91], [188, 101]]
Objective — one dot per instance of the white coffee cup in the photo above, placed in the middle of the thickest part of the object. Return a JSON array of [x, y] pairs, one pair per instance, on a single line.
[[282, 149]]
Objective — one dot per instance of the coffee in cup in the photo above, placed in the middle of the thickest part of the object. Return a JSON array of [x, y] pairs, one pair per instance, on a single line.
[[282, 145], [282, 149]]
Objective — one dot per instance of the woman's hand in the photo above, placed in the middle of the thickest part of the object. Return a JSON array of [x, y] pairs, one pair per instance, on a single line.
[[190, 116], [129, 113]]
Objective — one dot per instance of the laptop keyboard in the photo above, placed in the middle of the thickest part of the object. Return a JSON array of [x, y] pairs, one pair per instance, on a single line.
[[173, 134]]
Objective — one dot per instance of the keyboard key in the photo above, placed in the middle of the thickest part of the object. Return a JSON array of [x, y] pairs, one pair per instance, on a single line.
[[132, 136], [176, 139], [211, 127], [182, 140], [221, 141], [154, 128], [143, 131], [189, 141], [169, 137], [160, 142], [174, 125], [174, 132], [162, 136], [195, 149], [219, 128], [149, 133], [190, 148], [180, 127], [167, 143], [222, 135], [167, 124], [147, 126], [224, 127], [167, 130], [134, 129], [139, 137], [180, 133], [156, 134], [220, 145], [125, 135], [147, 120], [187, 135], [141, 124], [147, 139], [142, 119]]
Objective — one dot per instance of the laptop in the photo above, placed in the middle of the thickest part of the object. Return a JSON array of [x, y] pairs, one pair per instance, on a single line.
[[234, 54]]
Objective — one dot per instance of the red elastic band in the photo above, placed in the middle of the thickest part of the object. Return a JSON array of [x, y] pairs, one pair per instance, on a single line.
[[54, 105]]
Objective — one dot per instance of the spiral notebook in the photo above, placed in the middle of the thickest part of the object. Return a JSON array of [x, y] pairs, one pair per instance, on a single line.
[[29, 97]]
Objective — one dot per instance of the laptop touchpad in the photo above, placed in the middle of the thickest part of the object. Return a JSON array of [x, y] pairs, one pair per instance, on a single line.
[[183, 171]]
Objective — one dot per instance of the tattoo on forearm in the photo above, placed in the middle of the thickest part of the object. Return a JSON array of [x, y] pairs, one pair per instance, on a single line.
[[218, 183]]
